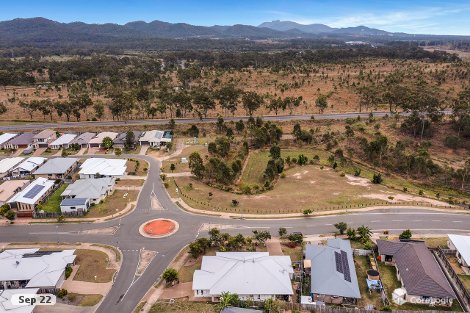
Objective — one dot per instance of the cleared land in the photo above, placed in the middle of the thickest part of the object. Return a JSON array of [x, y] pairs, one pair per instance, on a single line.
[[182, 307], [83, 300], [93, 264], [113, 203]]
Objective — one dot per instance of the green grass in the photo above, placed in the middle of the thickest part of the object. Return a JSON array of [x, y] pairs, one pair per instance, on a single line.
[[84, 300], [93, 263], [182, 307], [295, 253], [466, 281], [362, 265], [52, 204]]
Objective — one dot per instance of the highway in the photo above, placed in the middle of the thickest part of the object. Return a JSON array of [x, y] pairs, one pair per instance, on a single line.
[[129, 289], [98, 124]]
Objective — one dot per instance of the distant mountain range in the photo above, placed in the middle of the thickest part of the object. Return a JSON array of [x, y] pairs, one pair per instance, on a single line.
[[44, 31]]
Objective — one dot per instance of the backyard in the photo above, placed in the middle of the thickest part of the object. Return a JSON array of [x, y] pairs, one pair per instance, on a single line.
[[362, 266], [52, 205]]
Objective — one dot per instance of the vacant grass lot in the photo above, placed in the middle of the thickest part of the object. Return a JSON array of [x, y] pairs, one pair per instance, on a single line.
[[130, 182], [182, 307], [53, 202], [137, 167], [180, 167], [304, 187], [84, 300], [93, 263], [113, 203]]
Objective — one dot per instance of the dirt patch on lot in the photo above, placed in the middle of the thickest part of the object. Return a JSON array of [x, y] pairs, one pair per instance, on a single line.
[[358, 181], [397, 197]]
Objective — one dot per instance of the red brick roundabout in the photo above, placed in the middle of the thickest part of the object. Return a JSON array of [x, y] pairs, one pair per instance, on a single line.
[[158, 228]]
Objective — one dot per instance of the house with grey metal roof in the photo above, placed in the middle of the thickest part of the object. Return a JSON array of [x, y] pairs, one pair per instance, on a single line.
[[27, 166], [333, 274], [120, 140], [83, 139], [93, 189], [57, 168], [74, 205], [62, 142], [23, 140], [251, 275], [418, 271]]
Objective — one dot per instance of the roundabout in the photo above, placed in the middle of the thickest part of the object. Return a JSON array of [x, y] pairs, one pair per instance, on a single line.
[[158, 228]]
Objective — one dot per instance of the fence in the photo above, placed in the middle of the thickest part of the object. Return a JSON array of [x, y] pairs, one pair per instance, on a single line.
[[329, 309], [462, 292], [78, 213]]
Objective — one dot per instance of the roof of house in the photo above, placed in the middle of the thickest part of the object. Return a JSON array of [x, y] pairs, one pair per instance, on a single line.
[[232, 309], [418, 268], [333, 271], [83, 138], [8, 163], [156, 136], [244, 273], [121, 138], [56, 166], [40, 268], [100, 136], [462, 244], [63, 140], [90, 188], [74, 201], [5, 137], [44, 134], [9, 187], [30, 163], [6, 305], [22, 139], [102, 166], [33, 192]]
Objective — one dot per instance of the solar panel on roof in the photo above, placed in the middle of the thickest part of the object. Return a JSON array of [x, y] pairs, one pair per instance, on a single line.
[[34, 191], [339, 263], [347, 273]]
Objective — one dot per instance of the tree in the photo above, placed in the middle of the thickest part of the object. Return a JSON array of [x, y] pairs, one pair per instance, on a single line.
[[107, 142], [282, 231], [196, 165], [275, 152], [10, 215], [296, 238], [99, 109], [461, 113], [172, 167], [202, 101], [226, 300], [252, 101], [368, 96], [271, 306], [193, 131], [351, 233], [3, 108], [321, 103], [341, 227], [129, 143], [240, 126], [262, 236], [170, 275], [364, 233], [406, 234], [228, 97]]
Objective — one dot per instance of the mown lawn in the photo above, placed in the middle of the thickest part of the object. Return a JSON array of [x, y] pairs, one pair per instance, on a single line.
[[84, 300], [53, 202], [182, 307], [93, 263], [113, 203], [362, 265]]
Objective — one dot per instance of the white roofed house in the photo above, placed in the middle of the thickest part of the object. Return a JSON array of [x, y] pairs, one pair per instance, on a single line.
[[251, 275], [461, 245], [34, 268], [62, 142], [103, 167], [26, 167], [155, 138], [5, 137], [6, 297], [7, 164], [81, 194], [96, 141], [26, 201]]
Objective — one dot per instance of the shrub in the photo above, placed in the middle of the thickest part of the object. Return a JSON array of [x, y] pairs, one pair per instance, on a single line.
[[377, 179], [170, 275], [62, 293], [452, 142], [357, 172], [68, 271], [406, 234], [235, 202], [283, 175]]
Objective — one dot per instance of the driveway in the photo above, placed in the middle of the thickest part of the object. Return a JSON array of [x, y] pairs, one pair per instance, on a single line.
[[178, 291], [143, 150], [39, 151], [274, 246]]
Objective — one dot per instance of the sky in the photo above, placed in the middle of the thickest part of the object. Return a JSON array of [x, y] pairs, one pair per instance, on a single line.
[[412, 16]]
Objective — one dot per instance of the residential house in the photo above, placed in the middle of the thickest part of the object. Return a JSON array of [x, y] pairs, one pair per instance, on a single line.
[[93, 189], [9, 188], [23, 140], [62, 142], [418, 271], [26, 167], [333, 274], [26, 201], [120, 140], [6, 298], [71, 205], [83, 139], [43, 138], [251, 275], [102, 167], [57, 168], [7, 164], [461, 245], [34, 268], [5, 137], [96, 141], [155, 138]]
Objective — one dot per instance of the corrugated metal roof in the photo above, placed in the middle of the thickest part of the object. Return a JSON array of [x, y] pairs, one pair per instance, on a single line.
[[74, 201], [56, 166]]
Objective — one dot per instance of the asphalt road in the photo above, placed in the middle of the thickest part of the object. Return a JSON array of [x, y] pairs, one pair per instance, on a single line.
[[129, 289], [97, 124]]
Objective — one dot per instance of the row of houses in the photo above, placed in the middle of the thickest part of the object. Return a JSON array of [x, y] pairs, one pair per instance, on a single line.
[[49, 138], [331, 270], [97, 178]]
